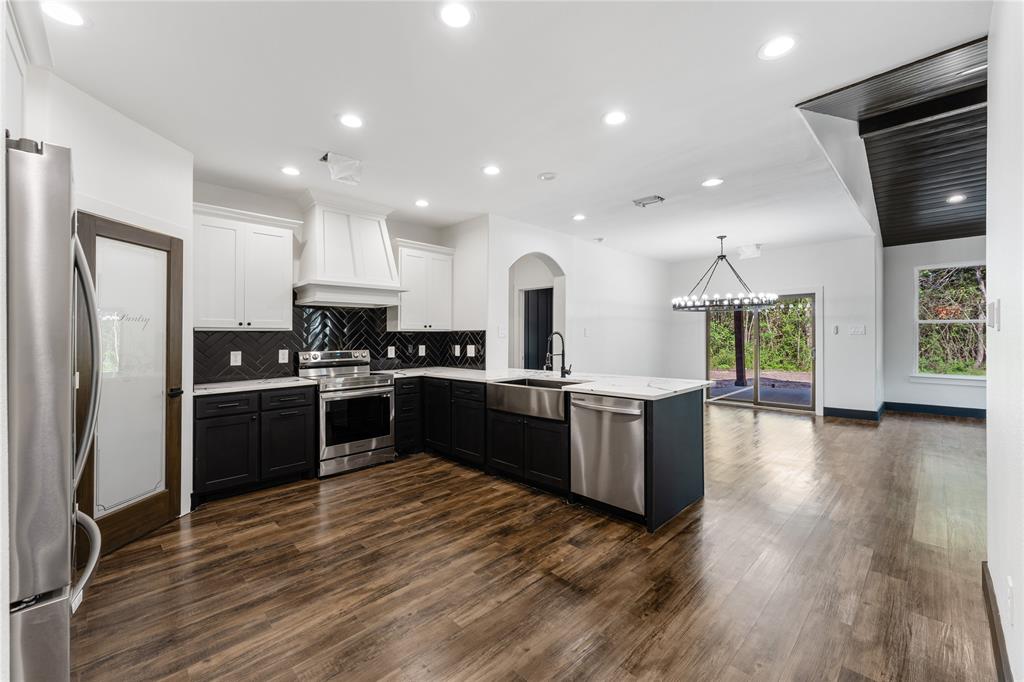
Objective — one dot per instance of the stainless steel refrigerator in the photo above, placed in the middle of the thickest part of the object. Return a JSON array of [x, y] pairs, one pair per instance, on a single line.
[[46, 274]]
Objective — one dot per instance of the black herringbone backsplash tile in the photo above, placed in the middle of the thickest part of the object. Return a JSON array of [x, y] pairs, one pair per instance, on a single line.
[[328, 329]]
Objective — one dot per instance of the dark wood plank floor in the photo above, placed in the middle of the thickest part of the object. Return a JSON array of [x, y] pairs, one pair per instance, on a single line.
[[823, 550]]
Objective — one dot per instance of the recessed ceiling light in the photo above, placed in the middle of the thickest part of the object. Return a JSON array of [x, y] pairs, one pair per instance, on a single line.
[[955, 199], [712, 182], [422, 203], [578, 217], [290, 170], [547, 176], [614, 118], [456, 15], [350, 121], [491, 170], [974, 69], [776, 47], [63, 13]]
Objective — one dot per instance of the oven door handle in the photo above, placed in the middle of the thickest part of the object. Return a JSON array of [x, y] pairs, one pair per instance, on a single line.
[[345, 395]]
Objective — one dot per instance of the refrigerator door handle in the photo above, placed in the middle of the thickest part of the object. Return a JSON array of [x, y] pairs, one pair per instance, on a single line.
[[93, 531], [89, 289]]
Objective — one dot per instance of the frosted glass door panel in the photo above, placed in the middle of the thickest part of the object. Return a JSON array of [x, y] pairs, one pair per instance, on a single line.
[[131, 285]]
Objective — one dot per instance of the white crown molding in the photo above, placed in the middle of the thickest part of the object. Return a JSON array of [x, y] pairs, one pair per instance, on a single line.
[[423, 246], [245, 216], [26, 23], [315, 197]]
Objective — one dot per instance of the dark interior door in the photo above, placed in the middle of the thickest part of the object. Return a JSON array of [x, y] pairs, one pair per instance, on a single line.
[[132, 481], [538, 319]]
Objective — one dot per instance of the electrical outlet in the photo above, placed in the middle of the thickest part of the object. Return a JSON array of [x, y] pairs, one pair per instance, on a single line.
[[423, 350], [236, 358], [835, 329], [470, 351], [502, 331], [457, 349], [282, 356], [391, 351]]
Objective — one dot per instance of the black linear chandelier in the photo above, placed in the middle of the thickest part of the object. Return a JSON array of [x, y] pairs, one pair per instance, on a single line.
[[744, 299]]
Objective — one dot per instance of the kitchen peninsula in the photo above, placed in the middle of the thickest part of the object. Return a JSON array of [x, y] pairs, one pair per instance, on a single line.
[[630, 445]]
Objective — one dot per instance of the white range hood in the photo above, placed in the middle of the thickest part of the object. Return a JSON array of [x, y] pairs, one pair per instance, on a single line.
[[345, 258]]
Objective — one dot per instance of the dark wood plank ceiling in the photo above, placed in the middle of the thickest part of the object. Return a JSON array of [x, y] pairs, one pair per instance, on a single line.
[[913, 175], [924, 130]]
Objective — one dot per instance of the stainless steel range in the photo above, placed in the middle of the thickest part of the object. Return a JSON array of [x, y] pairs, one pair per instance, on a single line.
[[357, 409]]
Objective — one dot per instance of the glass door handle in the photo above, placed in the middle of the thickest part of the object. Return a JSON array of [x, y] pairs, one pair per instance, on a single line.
[[89, 289], [175, 393]]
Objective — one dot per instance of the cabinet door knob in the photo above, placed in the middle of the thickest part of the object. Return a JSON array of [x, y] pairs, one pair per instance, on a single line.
[[239, 324], [248, 324], [254, 417]]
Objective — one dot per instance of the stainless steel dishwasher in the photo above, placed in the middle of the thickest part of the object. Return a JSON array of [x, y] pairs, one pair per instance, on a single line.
[[607, 436]]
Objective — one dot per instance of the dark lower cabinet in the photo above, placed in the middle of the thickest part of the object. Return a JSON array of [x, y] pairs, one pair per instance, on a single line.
[[287, 441], [437, 415], [239, 451], [505, 442], [536, 450], [227, 452], [469, 429], [408, 416], [547, 453]]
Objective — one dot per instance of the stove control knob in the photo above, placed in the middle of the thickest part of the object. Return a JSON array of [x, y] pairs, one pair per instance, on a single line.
[[315, 356], [365, 354]]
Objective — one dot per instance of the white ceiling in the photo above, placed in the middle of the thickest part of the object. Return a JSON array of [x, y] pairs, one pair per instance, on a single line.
[[250, 87]]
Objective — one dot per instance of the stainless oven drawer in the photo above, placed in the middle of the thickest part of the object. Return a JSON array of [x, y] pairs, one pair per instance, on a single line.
[[356, 421]]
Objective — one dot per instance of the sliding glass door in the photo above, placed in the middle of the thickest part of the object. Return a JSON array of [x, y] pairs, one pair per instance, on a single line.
[[764, 357]]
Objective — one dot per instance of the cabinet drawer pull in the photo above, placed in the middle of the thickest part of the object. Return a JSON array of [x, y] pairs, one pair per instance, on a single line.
[[289, 413], [228, 404], [289, 399]]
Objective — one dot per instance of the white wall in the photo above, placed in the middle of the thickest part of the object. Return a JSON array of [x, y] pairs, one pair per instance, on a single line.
[[618, 316], [901, 384], [1005, 253], [242, 200], [128, 173], [844, 274], [840, 139], [400, 229], [470, 241]]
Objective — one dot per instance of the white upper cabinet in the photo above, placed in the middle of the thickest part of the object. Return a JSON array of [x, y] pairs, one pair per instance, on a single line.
[[243, 277], [426, 302], [346, 255]]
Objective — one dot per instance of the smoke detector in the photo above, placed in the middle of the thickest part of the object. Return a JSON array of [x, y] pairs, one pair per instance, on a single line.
[[644, 202]]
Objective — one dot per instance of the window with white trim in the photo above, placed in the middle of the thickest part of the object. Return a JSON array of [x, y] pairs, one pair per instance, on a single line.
[[951, 320]]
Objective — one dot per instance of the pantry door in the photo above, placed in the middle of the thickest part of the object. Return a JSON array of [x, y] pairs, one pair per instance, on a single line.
[[132, 484]]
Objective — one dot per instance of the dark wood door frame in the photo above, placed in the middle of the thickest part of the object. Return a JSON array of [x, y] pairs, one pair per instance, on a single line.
[[123, 526]]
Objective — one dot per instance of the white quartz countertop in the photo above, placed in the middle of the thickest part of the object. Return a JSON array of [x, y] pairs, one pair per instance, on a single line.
[[254, 385], [636, 387]]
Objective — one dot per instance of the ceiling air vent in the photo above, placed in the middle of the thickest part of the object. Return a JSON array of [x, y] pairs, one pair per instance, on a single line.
[[644, 202]]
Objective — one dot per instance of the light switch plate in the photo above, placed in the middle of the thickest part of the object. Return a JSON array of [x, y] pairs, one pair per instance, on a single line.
[[236, 358], [458, 350], [502, 331], [857, 330], [993, 314], [282, 355], [470, 351], [391, 351], [423, 350]]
